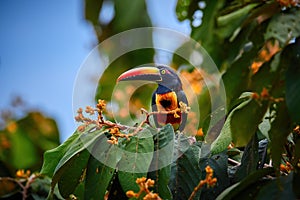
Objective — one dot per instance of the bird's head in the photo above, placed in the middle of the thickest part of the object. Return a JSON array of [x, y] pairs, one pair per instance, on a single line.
[[162, 75]]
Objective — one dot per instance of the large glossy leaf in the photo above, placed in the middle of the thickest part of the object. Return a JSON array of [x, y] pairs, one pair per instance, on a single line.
[[245, 188], [162, 159], [245, 120], [100, 169], [55, 158], [136, 159], [72, 175], [225, 137], [249, 162], [219, 164], [86, 140], [186, 173], [240, 125]]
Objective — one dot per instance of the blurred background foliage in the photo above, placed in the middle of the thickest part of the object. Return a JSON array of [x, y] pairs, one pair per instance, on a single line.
[[25, 135], [256, 46]]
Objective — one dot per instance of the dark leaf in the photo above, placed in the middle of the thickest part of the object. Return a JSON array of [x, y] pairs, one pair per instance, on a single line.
[[291, 58], [280, 129], [73, 174], [219, 164], [251, 182], [186, 173], [249, 162], [280, 188], [245, 120]]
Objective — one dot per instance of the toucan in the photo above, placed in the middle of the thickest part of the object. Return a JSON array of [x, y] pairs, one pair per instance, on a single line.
[[167, 95]]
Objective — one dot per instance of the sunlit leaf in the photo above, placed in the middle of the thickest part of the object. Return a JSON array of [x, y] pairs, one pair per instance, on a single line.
[[56, 158], [100, 169], [225, 137]]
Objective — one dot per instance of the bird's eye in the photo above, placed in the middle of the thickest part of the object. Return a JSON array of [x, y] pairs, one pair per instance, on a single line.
[[163, 71]]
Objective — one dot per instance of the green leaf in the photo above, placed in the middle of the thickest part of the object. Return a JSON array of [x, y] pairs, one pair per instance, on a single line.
[[40, 188], [283, 26], [245, 120], [228, 23], [55, 158], [291, 58], [249, 162], [280, 188], [236, 78], [280, 129], [186, 172], [23, 154], [85, 140], [101, 168], [136, 159], [219, 164], [71, 178], [239, 189], [241, 124], [224, 139], [162, 159]]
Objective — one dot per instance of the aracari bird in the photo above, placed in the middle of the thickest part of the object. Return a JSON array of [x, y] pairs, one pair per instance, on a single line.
[[167, 95]]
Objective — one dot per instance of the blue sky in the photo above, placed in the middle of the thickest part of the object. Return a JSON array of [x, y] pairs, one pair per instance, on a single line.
[[43, 44]]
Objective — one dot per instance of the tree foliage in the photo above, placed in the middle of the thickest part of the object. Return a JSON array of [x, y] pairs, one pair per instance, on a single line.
[[256, 152]]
